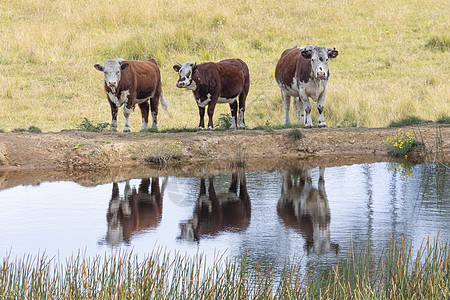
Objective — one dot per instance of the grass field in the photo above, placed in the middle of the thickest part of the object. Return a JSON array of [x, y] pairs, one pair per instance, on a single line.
[[394, 56]]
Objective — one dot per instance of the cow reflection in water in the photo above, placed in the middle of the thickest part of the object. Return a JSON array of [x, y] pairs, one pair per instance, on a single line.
[[214, 213], [305, 208], [135, 211]]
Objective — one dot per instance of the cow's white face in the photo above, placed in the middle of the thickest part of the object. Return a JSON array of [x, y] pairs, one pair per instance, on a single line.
[[112, 70], [319, 60], [185, 72]]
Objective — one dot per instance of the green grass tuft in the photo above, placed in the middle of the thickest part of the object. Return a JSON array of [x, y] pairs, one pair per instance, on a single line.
[[443, 120], [88, 125], [408, 121], [439, 43], [224, 122], [296, 134]]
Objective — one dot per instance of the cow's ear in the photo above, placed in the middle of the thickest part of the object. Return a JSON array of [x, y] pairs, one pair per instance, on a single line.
[[99, 67], [124, 66], [177, 68], [194, 67], [306, 53], [333, 53]]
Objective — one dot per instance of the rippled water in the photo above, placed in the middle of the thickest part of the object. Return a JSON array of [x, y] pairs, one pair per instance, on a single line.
[[310, 214]]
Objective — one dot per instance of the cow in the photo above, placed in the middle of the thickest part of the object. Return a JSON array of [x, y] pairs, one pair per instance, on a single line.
[[302, 73], [132, 82], [213, 83], [305, 208], [137, 210], [216, 212]]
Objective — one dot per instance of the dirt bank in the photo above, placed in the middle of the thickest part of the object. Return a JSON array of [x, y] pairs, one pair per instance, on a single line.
[[93, 158]]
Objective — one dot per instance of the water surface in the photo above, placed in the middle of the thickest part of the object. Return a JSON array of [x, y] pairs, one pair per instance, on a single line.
[[312, 215]]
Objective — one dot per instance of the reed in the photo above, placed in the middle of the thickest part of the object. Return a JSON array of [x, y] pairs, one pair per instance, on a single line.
[[396, 273], [393, 59]]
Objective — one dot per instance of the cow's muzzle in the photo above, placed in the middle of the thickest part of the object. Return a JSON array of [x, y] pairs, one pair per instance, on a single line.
[[321, 75], [180, 84]]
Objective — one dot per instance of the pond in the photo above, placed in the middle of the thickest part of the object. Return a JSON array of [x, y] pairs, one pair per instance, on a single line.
[[313, 215]]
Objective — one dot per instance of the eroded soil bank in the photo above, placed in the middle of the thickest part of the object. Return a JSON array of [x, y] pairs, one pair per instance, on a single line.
[[92, 158]]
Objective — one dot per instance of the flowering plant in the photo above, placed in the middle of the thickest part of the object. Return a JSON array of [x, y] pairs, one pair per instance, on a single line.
[[401, 143]]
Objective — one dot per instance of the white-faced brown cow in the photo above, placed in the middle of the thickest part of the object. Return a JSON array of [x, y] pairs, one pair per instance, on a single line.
[[305, 208], [213, 83], [133, 82], [302, 73]]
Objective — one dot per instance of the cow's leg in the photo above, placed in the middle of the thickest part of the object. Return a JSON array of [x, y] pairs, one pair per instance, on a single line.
[[127, 110], [144, 113], [307, 107], [300, 110], [201, 111], [320, 108], [113, 115], [242, 98], [126, 114], [286, 107], [154, 102], [233, 108], [233, 185], [211, 107]]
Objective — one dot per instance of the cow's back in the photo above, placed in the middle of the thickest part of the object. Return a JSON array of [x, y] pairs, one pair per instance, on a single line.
[[292, 64], [142, 75]]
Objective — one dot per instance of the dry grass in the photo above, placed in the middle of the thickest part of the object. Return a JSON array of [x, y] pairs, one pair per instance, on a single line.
[[390, 64]]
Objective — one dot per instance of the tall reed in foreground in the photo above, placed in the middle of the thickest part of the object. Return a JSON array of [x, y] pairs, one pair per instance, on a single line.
[[398, 274]]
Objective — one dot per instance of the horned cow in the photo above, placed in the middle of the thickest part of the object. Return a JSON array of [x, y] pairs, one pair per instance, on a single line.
[[131, 82], [302, 73], [213, 83]]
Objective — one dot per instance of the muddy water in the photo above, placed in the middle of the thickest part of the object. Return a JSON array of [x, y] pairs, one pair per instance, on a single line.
[[313, 214]]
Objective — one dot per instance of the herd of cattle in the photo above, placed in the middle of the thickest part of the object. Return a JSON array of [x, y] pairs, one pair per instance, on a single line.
[[301, 72]]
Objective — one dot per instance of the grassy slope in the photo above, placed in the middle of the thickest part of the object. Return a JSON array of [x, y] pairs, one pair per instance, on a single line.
[[384, 70]]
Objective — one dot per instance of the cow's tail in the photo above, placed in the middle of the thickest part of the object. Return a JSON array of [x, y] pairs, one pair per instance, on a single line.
[[164, 103]]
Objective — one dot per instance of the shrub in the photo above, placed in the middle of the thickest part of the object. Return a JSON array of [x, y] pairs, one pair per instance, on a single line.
[[224, 122], [296, 134], [87, 125], [401, 143], [165, 154]]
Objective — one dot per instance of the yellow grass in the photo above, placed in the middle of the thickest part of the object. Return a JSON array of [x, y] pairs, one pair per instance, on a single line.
[[384, 70]]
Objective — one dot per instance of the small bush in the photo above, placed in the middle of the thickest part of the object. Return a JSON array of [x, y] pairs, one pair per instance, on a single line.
[[408, 121], [31, 129], [34, 129], [296, 134], [166, 154], [401, 143], [87, 125], [224, 122]]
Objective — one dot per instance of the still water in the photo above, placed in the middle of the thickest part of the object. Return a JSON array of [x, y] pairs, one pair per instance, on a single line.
[[312, 214]]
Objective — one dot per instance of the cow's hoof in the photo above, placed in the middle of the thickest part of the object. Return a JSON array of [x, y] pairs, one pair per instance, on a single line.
[[308, 126], [126, 130], [210, 128], [322, 125], [114, 129], [200, 129]]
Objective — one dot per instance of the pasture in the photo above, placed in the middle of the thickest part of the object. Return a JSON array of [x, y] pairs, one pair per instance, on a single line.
[[393, 56]]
